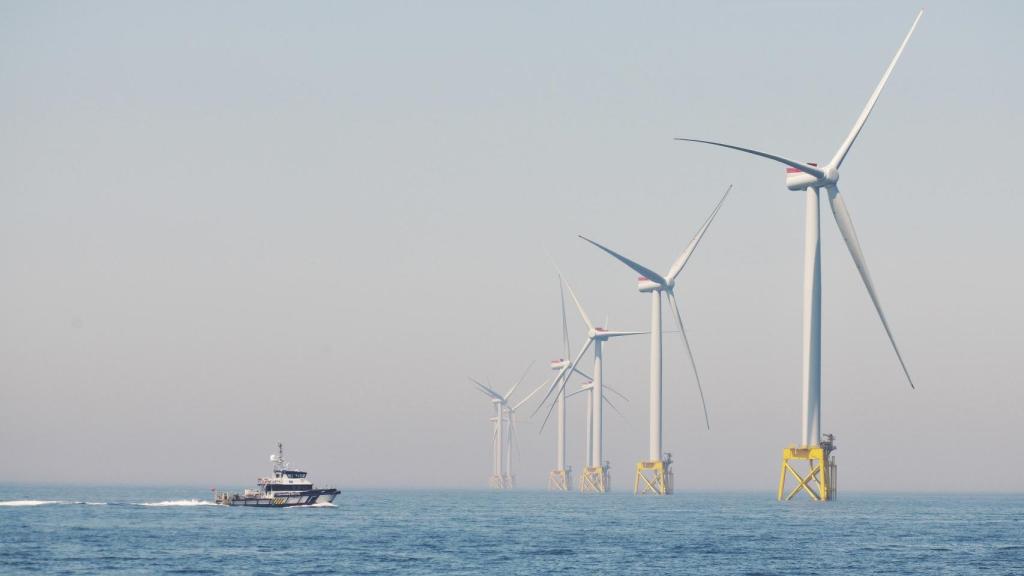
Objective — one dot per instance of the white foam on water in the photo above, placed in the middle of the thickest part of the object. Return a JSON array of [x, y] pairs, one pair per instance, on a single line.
[[31, 502], [192, 502], [317, 505]]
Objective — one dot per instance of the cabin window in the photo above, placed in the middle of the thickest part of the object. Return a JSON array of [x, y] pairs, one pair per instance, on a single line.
[[279, 487]]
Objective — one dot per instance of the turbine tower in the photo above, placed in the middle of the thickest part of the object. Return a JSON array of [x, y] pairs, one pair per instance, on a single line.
[[595, 475], [501, 469], [820, 480], [653, 475]]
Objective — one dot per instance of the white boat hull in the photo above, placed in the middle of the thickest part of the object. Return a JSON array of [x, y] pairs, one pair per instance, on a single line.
[[306, 498]]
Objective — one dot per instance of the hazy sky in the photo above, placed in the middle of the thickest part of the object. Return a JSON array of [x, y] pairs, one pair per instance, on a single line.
[[228, 224]]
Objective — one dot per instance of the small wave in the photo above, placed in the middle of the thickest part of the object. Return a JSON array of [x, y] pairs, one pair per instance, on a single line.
[[317, 505], [31, 502], [192, 502], [554, 552]]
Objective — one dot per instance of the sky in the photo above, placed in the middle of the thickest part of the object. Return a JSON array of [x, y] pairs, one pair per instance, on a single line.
[[230, 224]]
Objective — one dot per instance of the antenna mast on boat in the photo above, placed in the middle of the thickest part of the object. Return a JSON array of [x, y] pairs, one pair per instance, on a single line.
[[280, 456]]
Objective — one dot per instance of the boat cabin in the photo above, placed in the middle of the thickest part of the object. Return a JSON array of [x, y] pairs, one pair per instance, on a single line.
[[285, 481]]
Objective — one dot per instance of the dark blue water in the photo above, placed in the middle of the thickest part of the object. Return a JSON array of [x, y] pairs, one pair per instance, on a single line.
[[520, 532]]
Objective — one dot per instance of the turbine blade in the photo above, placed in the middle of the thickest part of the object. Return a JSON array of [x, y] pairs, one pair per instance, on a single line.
[[612, 406], [640, 269], [556, 384], [579, 306], [486, 390], [801, 166], [571, 394], [530, 395], [616, 392], [565, 324], [682, 332], [677, 266], [563, 376], [850, 236], [837, 160], [520, 381], [582, 373], [551, 409], [617, 334], [561, 278]]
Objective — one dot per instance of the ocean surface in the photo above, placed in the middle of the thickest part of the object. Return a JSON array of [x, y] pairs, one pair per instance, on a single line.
[[121, 530]]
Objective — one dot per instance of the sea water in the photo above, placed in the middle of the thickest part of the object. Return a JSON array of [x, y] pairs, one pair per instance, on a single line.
[[120, 530]]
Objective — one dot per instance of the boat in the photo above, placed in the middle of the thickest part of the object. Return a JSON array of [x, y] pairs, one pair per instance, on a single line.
[[287, 487]]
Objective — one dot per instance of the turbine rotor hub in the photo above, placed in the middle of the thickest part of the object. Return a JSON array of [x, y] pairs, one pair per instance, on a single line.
[[831, 174]]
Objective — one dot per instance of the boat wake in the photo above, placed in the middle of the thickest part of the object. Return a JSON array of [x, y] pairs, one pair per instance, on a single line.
[[47, 502], [317, 505], [192, 502], [33, 502]]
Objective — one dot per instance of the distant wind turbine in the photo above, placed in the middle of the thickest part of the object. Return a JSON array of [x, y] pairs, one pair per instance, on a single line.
[[655, 471], [595, 474], [501, 471]]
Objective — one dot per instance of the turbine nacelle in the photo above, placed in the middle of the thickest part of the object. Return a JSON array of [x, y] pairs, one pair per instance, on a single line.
[[559, 364], [645, 285], [797, 179]]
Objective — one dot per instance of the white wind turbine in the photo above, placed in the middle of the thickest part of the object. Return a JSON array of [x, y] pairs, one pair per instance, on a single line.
[[561, 477], [595, 474], [650, 281], [501, 469], [811, 178]]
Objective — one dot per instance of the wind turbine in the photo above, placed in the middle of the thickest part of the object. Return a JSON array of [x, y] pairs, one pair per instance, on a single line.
[[819, 482], [497, 479], [595, 474], [501, 470], [560, 478], [654, 473], [562, 483]]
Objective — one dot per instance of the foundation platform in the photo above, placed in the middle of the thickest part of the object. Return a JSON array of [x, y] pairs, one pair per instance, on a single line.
[[595, 479], [820, 476], [560, 480], [501, 482], [654, 477]]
